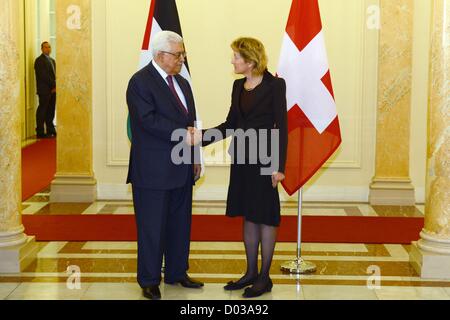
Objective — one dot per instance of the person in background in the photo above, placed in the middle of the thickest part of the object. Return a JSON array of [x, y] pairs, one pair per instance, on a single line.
[[45, 70]]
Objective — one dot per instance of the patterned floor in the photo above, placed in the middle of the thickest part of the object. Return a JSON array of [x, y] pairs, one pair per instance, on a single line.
[[39, 205], [107, 271]]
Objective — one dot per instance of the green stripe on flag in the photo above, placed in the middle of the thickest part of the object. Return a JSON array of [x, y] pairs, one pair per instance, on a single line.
[[129, 128]]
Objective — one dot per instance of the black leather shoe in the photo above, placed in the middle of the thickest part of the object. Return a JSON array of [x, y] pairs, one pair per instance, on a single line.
[[252, 293], [43, 136], [188, 282], [52, 134], [152, 292], [231, 286]]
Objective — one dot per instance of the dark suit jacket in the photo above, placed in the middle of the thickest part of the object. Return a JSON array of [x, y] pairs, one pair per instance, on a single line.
[[45, 76], [154, 115], [268, 111]]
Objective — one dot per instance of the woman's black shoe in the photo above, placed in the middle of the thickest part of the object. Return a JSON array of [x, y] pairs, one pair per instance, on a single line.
[[252, 293], [231, 286]]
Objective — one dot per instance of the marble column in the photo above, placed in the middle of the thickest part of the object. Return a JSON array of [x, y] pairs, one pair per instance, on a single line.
[[74, 180], [431, 254], [391, 184], [16, 249]]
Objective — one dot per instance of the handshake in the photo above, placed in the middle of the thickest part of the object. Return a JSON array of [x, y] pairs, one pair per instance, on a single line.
[[193, 136]]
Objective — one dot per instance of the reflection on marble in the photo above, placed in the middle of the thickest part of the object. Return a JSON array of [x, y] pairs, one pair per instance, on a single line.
[[108, 271], [312, 292], [6, 289], [397, 251], [211, 291], [203, 249], [28, 142], [33, 208], [113, 291], [214, 291], [220, 264], [94, 208], [284, 292], [63, 208], [341, 247], [367, 210], [101, 245], [398, 211], [322, 212], [115, 208], [411, 293], [47, 291], [51, 248]]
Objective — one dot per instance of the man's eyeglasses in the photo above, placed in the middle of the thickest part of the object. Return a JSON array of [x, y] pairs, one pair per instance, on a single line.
[[177, 55]]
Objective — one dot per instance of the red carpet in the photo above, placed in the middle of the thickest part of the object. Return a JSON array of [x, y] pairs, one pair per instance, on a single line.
[[38, 167], [401, 230]]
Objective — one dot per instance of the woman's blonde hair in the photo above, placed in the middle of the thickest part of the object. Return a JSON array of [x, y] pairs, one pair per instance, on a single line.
[[252, 51]]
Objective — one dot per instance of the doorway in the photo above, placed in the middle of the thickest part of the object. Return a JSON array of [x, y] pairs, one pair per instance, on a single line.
[[39, 24]]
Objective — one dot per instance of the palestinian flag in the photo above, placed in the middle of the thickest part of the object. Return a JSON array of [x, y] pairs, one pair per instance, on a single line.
[[163, 15]]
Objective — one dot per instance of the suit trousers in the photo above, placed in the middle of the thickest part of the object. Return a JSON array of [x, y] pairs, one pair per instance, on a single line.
[[46, 113], [163, 220]]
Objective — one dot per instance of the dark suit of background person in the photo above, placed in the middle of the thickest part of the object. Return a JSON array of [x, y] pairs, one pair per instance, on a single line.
[[162, 191], [251, 194], [45, 70]]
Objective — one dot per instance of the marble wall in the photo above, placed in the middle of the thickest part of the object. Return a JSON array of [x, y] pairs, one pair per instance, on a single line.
[[10, 136], [74, 180], [74, 87], [437, 220], [394, 94], [391, 184], [430, 256]]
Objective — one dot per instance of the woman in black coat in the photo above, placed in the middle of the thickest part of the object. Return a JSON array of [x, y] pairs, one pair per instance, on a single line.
[[257, 120]]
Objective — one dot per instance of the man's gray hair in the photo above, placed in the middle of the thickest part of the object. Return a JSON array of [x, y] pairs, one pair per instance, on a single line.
[[162, 41]]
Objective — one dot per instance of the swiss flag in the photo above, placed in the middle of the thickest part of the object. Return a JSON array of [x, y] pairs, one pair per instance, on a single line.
[[313, 124]]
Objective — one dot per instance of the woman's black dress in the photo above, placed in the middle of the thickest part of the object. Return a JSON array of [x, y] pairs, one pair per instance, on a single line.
[[250, 194]]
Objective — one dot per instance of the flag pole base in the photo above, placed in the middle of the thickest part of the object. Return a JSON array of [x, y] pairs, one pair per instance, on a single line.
[[299, 266]]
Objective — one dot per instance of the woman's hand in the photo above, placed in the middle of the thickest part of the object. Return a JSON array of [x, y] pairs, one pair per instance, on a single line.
[[197, 171], [277, 177]]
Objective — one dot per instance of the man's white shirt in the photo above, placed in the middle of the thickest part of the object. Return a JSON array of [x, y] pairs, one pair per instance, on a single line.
[[164, 75]]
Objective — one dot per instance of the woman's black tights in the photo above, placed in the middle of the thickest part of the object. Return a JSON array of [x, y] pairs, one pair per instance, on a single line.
[[254, 234]]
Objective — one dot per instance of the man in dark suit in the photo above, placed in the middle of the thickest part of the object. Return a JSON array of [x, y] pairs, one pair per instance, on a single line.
[[45, 69], [161, 102]]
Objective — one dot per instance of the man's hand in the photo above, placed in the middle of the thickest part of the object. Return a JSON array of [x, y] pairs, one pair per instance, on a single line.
[[54, 90], [197, 171], [277, 177], [193, 136]]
